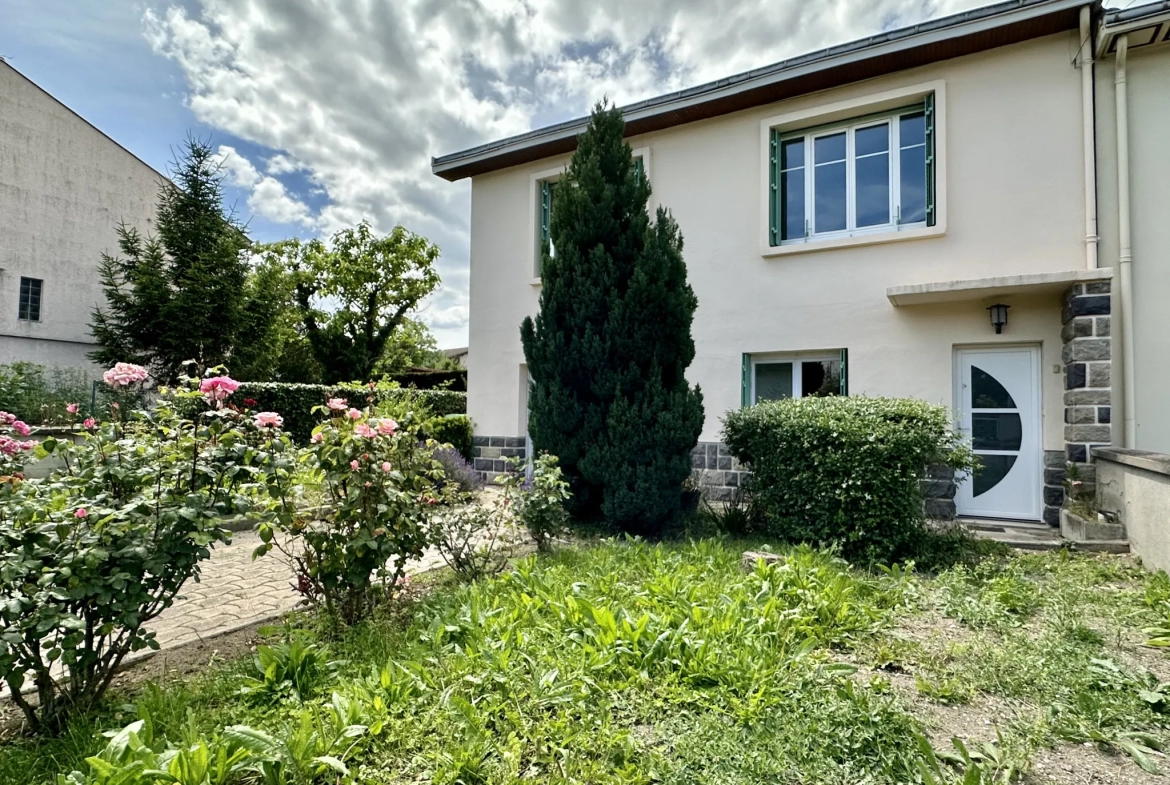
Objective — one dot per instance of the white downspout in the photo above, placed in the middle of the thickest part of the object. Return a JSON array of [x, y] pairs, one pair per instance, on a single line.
[[1090, 144], [1125, 257]]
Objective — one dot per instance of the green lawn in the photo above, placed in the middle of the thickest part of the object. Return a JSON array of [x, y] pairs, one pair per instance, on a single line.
[[624, 662]]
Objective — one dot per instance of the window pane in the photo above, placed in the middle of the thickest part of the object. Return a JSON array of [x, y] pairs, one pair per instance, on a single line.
[[875, 139], [873, 190], [820, 378], [994, 469], [912, 129], [773, 381], [830, 197], [996, 431], [792, 153], [987, 392], [792, 204], [830, 148], [913, 176]]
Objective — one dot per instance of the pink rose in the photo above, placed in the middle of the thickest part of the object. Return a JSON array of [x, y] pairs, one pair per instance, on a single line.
[[268, 420], [365, 431], [6, 418], [216, 388], [354, 414], [317, 438], [71, 408], [21, 428], [81, 513], [89, 422], [336, 404], [386, 426], [353, 465], [386, 466], [124, 374]]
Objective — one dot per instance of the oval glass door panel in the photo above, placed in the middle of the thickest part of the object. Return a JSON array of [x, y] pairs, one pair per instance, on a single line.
[[998, 404]]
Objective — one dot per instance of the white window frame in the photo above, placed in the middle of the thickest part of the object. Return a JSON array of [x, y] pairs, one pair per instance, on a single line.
[[553, 175], [893, 155], [796, 358], [843, 114]]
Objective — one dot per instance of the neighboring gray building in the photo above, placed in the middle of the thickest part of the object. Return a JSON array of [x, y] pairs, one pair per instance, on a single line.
[[64, 187]]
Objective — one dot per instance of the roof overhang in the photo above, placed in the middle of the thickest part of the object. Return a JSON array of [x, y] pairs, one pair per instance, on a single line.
[[983, 288], [1144, 25], [896, 50]]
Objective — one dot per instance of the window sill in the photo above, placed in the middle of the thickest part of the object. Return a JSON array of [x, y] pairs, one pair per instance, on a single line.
[[534, 282], [877, 238]]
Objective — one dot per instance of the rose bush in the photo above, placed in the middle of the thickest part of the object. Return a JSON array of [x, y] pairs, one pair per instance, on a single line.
[[381, 483], [94, 552]]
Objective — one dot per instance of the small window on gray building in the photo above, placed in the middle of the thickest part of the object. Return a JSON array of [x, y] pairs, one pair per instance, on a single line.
[[30, 299]]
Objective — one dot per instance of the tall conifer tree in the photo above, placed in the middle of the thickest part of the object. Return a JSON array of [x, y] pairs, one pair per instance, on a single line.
[[182, 294], [609, 348]]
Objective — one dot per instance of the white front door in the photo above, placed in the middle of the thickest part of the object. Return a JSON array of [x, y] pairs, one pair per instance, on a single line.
[[998, 403]]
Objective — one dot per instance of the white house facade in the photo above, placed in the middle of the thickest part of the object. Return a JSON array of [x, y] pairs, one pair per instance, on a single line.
[[914, 214], [64, 187]]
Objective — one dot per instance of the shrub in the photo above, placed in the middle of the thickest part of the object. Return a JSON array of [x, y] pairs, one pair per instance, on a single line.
[[456, 469], [102, 546], [455, 430], [296, 402], [380, 483], [541, 503], [844, 470], [473, 539]]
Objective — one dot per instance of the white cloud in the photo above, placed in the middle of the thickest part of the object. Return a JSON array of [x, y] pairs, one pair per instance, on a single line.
[[359, 94], [267, 196]]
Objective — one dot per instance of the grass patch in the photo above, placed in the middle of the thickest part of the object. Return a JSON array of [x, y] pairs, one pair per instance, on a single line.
[[625, 662]]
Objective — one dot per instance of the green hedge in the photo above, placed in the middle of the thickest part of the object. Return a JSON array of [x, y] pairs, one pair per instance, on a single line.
[[453, 429], [844, 470], [295, 402]]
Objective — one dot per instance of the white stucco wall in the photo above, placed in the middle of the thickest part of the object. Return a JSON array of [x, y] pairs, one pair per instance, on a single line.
[[64, 187], [1148, 74], [1014, 197]]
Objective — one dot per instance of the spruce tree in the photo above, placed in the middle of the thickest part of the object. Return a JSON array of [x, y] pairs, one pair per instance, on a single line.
[[609, 348], [181, 295]]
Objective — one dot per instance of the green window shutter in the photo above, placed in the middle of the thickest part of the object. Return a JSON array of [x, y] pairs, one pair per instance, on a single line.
[[546, 201], [639, 166], [745, 381], [545, 211], [773, 189], [844, 371], [930, 156]]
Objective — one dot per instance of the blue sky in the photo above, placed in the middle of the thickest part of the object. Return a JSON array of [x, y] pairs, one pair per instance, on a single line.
[[328, 112]]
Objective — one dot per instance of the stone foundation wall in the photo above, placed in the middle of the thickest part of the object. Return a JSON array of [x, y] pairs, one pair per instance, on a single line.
[[1088, 382], [1054, 477], [488, 454], [938, 493], [719, 474]]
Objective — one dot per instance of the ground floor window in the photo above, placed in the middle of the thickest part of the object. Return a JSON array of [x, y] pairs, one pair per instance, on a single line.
[[774, 376]]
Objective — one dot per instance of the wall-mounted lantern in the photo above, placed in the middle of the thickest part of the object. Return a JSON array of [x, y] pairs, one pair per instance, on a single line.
[[998, 316]]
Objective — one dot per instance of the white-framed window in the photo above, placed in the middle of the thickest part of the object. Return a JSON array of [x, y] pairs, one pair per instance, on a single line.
[[778, 376], [867, 175]]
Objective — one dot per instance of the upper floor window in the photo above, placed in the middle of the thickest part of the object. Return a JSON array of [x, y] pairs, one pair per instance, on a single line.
[[872, 174], [29, 309], [547, 190]]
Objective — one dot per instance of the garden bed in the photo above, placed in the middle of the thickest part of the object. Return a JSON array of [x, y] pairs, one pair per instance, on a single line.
[[625, 662]]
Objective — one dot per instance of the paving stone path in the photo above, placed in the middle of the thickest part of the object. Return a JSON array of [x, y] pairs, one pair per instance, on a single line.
[[235, 592]]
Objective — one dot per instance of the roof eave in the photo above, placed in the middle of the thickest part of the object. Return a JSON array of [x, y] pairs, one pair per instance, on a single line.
[[891, 52]]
